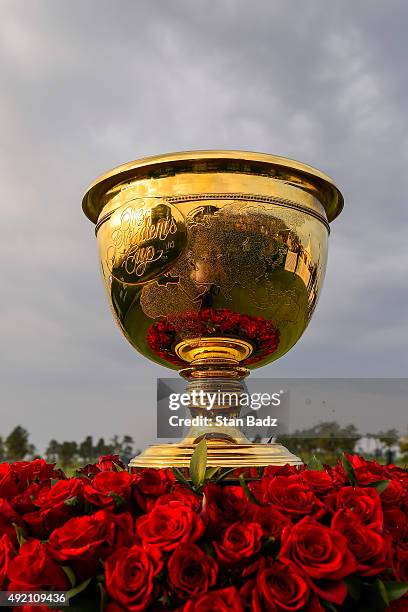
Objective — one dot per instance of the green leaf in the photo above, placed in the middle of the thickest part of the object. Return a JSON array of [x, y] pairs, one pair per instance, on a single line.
[[119, 500], [224, 474], [373, 597], [102, 597], [78, 589], [329, 606], [314, 464], [380, 485], [71, 501], [180, 477], [247, 490], [20, 534], [383, 591], [269, 545], [210, 472], [54, 481], [118, 467], [70, 574], [198, 464], [348, 468], [354, 587], [395, 590]]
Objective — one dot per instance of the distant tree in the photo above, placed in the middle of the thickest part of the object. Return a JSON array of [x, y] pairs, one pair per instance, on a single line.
[[116, 445], [67, 452], [403, 444], [17, 446], [86, 450], [327, 439], [389, 438], [122, 447], [51, 454], [127, 449], [102, 448]]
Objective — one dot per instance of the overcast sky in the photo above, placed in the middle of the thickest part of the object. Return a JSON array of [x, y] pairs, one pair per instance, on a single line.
[[86, 85]]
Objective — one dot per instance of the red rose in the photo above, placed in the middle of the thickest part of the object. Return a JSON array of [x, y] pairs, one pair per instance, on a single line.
[[110, 463], [365, 502], [249, 473], [23, 502], [54, 506], [319, 482], [89, 470], [271, 471], [108, 489], [33, 570], [396, 473], [394, 495], [399, 605], [240, 541], [182, 495], [6, 553], [400, 564], [8, 516], [8, 481], [83, 541], [191, 571], [37, 470], [36, 526], [151, 484], [169, 526], [223, 600], [130, 577], [59, 493], [278, 588], [369, 548], [224, 505], [396, 524], [57, 504], [322, 554], [292, 497], [271, 520], [124, 529], [365, 472]]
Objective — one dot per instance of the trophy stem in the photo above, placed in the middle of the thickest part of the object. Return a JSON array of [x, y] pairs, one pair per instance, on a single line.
[[215, 384], [223, 411]]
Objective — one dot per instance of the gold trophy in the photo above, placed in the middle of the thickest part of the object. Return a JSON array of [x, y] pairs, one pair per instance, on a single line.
[[213, 263]]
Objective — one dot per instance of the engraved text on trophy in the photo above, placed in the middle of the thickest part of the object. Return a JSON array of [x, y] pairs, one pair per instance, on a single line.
[[148, 237]]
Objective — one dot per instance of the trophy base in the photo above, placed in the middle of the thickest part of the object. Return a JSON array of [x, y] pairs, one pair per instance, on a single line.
[[223, 455]]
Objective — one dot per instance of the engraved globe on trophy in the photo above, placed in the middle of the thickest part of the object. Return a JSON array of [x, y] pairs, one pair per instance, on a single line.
[[213, 262]]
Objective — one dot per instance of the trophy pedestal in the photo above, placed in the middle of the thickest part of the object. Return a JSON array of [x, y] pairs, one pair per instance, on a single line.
[[223, 455], [215, 369]]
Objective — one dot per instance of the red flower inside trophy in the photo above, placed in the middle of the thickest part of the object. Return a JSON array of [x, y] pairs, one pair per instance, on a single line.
[[164, 334]]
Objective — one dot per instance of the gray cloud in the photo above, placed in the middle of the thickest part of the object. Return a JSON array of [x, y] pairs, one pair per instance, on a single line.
[[88, 85]]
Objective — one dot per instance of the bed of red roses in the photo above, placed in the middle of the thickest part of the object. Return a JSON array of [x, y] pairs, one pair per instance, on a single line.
[[287, 539]]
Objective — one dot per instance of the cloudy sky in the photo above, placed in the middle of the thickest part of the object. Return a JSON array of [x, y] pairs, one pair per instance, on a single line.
[[88, 85]]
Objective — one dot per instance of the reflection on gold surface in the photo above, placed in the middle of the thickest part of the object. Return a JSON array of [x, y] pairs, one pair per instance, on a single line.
[[205, 252], [256, 259]]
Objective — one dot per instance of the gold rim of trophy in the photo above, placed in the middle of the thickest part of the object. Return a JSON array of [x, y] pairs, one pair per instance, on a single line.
[[330, 196]]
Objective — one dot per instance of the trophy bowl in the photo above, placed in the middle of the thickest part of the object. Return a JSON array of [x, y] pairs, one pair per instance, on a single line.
[[213, 263]]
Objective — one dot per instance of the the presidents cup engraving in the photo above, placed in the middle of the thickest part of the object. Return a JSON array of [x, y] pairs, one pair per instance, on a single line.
[[147, 238]]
